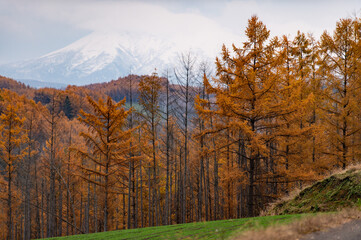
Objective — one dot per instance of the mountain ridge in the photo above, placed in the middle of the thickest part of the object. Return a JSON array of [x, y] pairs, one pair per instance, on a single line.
[[99, 57]]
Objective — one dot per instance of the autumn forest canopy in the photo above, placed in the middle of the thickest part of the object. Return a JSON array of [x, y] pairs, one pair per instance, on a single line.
[[187, 145]]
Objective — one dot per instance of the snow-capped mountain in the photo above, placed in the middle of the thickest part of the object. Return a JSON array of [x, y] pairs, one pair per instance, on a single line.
[[98, 57]]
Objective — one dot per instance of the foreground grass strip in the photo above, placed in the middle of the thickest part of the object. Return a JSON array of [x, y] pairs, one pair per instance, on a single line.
[[222, 229]]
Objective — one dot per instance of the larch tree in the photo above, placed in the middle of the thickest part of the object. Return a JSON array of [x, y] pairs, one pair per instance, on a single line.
[[290, 131], [108, 143], [244, 92], [203, 181], [149, 99], [168, 134], [185, 75], [341, 53], [12, 137], [32, 128], [52, 119], [131, 173], [315, 88]]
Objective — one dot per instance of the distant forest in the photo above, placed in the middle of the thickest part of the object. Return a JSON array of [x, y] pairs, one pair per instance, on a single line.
[[190, 145]]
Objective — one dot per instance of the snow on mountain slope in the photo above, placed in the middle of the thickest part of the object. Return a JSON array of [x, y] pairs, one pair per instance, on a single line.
[[98, 57]]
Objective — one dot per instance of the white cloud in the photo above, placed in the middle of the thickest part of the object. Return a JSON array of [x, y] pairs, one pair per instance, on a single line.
[[286, 17], [187, 28], [201, 23]]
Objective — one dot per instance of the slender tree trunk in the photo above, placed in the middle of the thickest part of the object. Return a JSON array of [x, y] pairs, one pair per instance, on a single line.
[[136, 200], [106, 183], [166, 212], [155, 185], [42, 209], [141, 193], [129, 194], [27, 210], [87, 210], [95, 203], [37, 215], [251, 178], [52, 197], [150, 209], [124, 209], [185, 178], [10, 214], [171, 198], [216, 192], [60, 209]]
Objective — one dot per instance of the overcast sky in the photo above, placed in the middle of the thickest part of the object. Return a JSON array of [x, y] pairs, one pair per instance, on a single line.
[[32, 28]]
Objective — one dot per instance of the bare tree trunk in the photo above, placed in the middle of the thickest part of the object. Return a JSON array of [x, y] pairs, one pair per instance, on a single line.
[[166, 212], [141, 193], [10, 214], [171, 203], [136, 200], [155, 185], [180, 188], [87, 210], [124, 210], [52, 197], [95, 205], [252, 160], [60, 209], [215, 173], [150, 209], [37, 215], [129, 194], [184, 76], [42, 209], [68, 183], [81, 220], [27, 210], [229, 197], [106, 198], [200, 180]]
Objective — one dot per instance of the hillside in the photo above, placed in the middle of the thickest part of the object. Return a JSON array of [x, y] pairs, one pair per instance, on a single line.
[[331, 194], [13, 85]]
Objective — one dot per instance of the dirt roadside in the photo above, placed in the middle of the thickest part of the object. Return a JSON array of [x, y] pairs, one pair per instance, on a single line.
[[305, 228], [347, 231]]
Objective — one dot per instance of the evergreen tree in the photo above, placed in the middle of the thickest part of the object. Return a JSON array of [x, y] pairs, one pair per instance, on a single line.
[[68, 109]]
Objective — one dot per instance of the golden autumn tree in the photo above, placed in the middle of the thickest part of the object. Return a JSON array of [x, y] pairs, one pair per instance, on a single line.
[[291, 131], [12, 136], [149, 99], [245, 92], [341, 53], [314, 86], [108, 143]]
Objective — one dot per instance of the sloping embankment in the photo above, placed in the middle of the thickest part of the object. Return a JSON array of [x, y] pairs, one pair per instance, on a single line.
[[333, 193]]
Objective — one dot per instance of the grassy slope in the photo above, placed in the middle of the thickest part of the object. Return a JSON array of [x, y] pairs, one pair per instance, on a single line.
[[202, 230], [331, 194]]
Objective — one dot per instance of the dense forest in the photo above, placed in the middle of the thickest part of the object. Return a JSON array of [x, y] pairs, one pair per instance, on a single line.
[[182, 146]]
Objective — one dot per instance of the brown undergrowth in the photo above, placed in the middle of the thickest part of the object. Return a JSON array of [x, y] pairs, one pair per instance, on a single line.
[[303, 226]]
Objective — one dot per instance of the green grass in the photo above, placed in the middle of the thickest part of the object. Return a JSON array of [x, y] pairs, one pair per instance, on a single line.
[[222, 229]]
